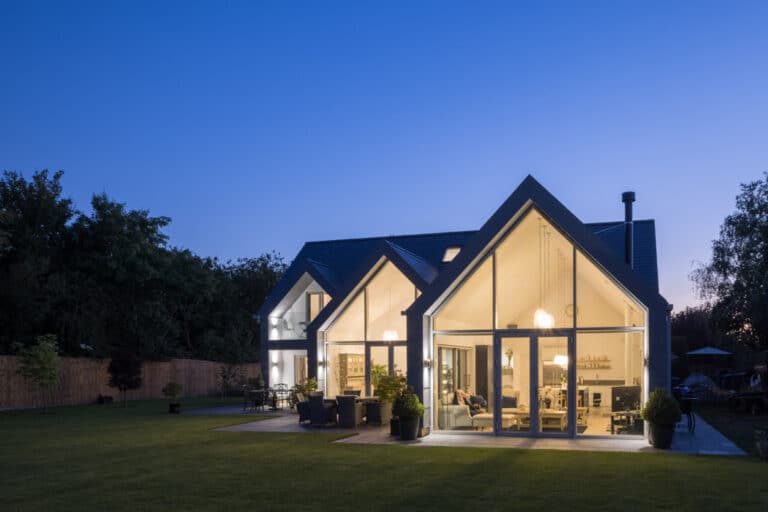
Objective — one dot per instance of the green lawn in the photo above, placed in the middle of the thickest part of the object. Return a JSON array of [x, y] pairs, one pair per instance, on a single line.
[[140, 458]]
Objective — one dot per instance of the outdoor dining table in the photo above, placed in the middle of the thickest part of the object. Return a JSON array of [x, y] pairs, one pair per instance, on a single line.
[[255, 398], [280, 395]]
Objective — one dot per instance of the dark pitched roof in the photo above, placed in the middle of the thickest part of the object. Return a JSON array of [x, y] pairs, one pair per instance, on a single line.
[[644, 246], [424, 252], [337, 264]]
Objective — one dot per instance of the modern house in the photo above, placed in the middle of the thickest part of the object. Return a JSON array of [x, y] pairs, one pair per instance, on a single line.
[[536, 324]]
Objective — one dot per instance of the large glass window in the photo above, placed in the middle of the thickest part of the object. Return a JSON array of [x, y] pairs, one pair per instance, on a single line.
[[600, 302], [534, 277], [287, 367], [516, 384], [389, 294], [350, 325], [375, 315], [376, 312], [300, 306], [609, 373], [346, 369], [552, 389], [470, 307], [535, 267], [464, 382], [379, 365], [400, 360]]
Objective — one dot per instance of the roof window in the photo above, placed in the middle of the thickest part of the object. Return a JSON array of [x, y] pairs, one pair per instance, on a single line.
[[450, 253]]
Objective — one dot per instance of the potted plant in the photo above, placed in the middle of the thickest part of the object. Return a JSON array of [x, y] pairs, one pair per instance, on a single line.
[[302, 390], [388, 388], [377, 372], [256, 382], [172, 390], [761, 442], [661, 412], [409, 411]]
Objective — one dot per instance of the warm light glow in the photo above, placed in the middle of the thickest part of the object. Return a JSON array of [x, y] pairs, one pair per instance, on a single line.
[[451, 253], [390, 336], [561, 360], [543, 320]]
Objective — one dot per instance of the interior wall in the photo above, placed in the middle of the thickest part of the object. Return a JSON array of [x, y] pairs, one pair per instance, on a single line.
[[291, 324], [281, 366]]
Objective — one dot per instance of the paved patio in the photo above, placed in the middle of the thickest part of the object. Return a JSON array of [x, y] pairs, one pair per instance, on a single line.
[[705, 441]]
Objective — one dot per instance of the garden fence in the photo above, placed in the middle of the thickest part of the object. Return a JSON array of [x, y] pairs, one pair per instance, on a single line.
[[82, 380]]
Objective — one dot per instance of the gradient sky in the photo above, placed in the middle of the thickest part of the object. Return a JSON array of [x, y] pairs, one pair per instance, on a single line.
[[259, 125]]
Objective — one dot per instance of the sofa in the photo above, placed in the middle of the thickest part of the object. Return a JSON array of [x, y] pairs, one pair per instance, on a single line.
[[453, 416]]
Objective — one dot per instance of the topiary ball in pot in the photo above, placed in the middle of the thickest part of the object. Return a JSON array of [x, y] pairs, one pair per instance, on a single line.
[[661, 412], [409, 409]]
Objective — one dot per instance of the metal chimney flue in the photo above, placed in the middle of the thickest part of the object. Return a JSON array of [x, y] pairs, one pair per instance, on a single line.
[[628, 198]]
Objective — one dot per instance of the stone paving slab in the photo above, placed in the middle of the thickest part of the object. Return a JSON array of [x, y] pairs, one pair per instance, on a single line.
[[706, 440]]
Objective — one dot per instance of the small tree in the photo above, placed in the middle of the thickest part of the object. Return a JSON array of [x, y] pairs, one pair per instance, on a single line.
[[40, 363], [172, 390], [125, 373], [229, 375]]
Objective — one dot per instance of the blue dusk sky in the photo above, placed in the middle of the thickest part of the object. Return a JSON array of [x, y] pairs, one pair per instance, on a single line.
[[257, 126]]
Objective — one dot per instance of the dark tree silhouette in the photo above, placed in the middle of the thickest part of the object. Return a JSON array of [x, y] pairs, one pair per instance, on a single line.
[[736, 279], [107, 281], [125, 373]]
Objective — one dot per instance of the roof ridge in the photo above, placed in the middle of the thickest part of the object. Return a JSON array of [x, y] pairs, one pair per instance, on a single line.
[[401, 248], [617, 222], [389, 237]]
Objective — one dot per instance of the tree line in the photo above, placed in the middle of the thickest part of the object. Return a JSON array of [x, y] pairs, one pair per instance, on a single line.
[[734, 282], [108, 281]]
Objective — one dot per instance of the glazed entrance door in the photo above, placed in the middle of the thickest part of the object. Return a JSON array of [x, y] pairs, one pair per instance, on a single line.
[[534, 383], [516, 403]]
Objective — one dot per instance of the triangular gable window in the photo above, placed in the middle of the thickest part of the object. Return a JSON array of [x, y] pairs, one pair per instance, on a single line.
[[471, 306], [375, 314], [289, 320], [535, 287], [601, 303]]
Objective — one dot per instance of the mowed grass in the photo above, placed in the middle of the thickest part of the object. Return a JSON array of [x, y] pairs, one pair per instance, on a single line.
[[141, 458]]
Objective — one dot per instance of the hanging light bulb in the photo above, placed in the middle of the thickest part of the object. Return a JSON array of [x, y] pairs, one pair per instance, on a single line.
[[543, 320]]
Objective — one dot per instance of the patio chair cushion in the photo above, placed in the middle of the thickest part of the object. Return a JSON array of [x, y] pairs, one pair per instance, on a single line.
[[304, 411], [350, 411], [320, 411]]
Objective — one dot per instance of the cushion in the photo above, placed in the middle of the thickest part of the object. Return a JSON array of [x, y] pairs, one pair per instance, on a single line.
[[462, 397], [508, 402], [479, 401]]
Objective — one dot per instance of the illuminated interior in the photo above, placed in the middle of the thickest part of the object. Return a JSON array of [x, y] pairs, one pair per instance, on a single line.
[[289, 320], [547, 292], [371, 323]]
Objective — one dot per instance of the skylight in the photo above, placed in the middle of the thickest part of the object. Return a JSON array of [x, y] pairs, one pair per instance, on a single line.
[[450, 253]]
